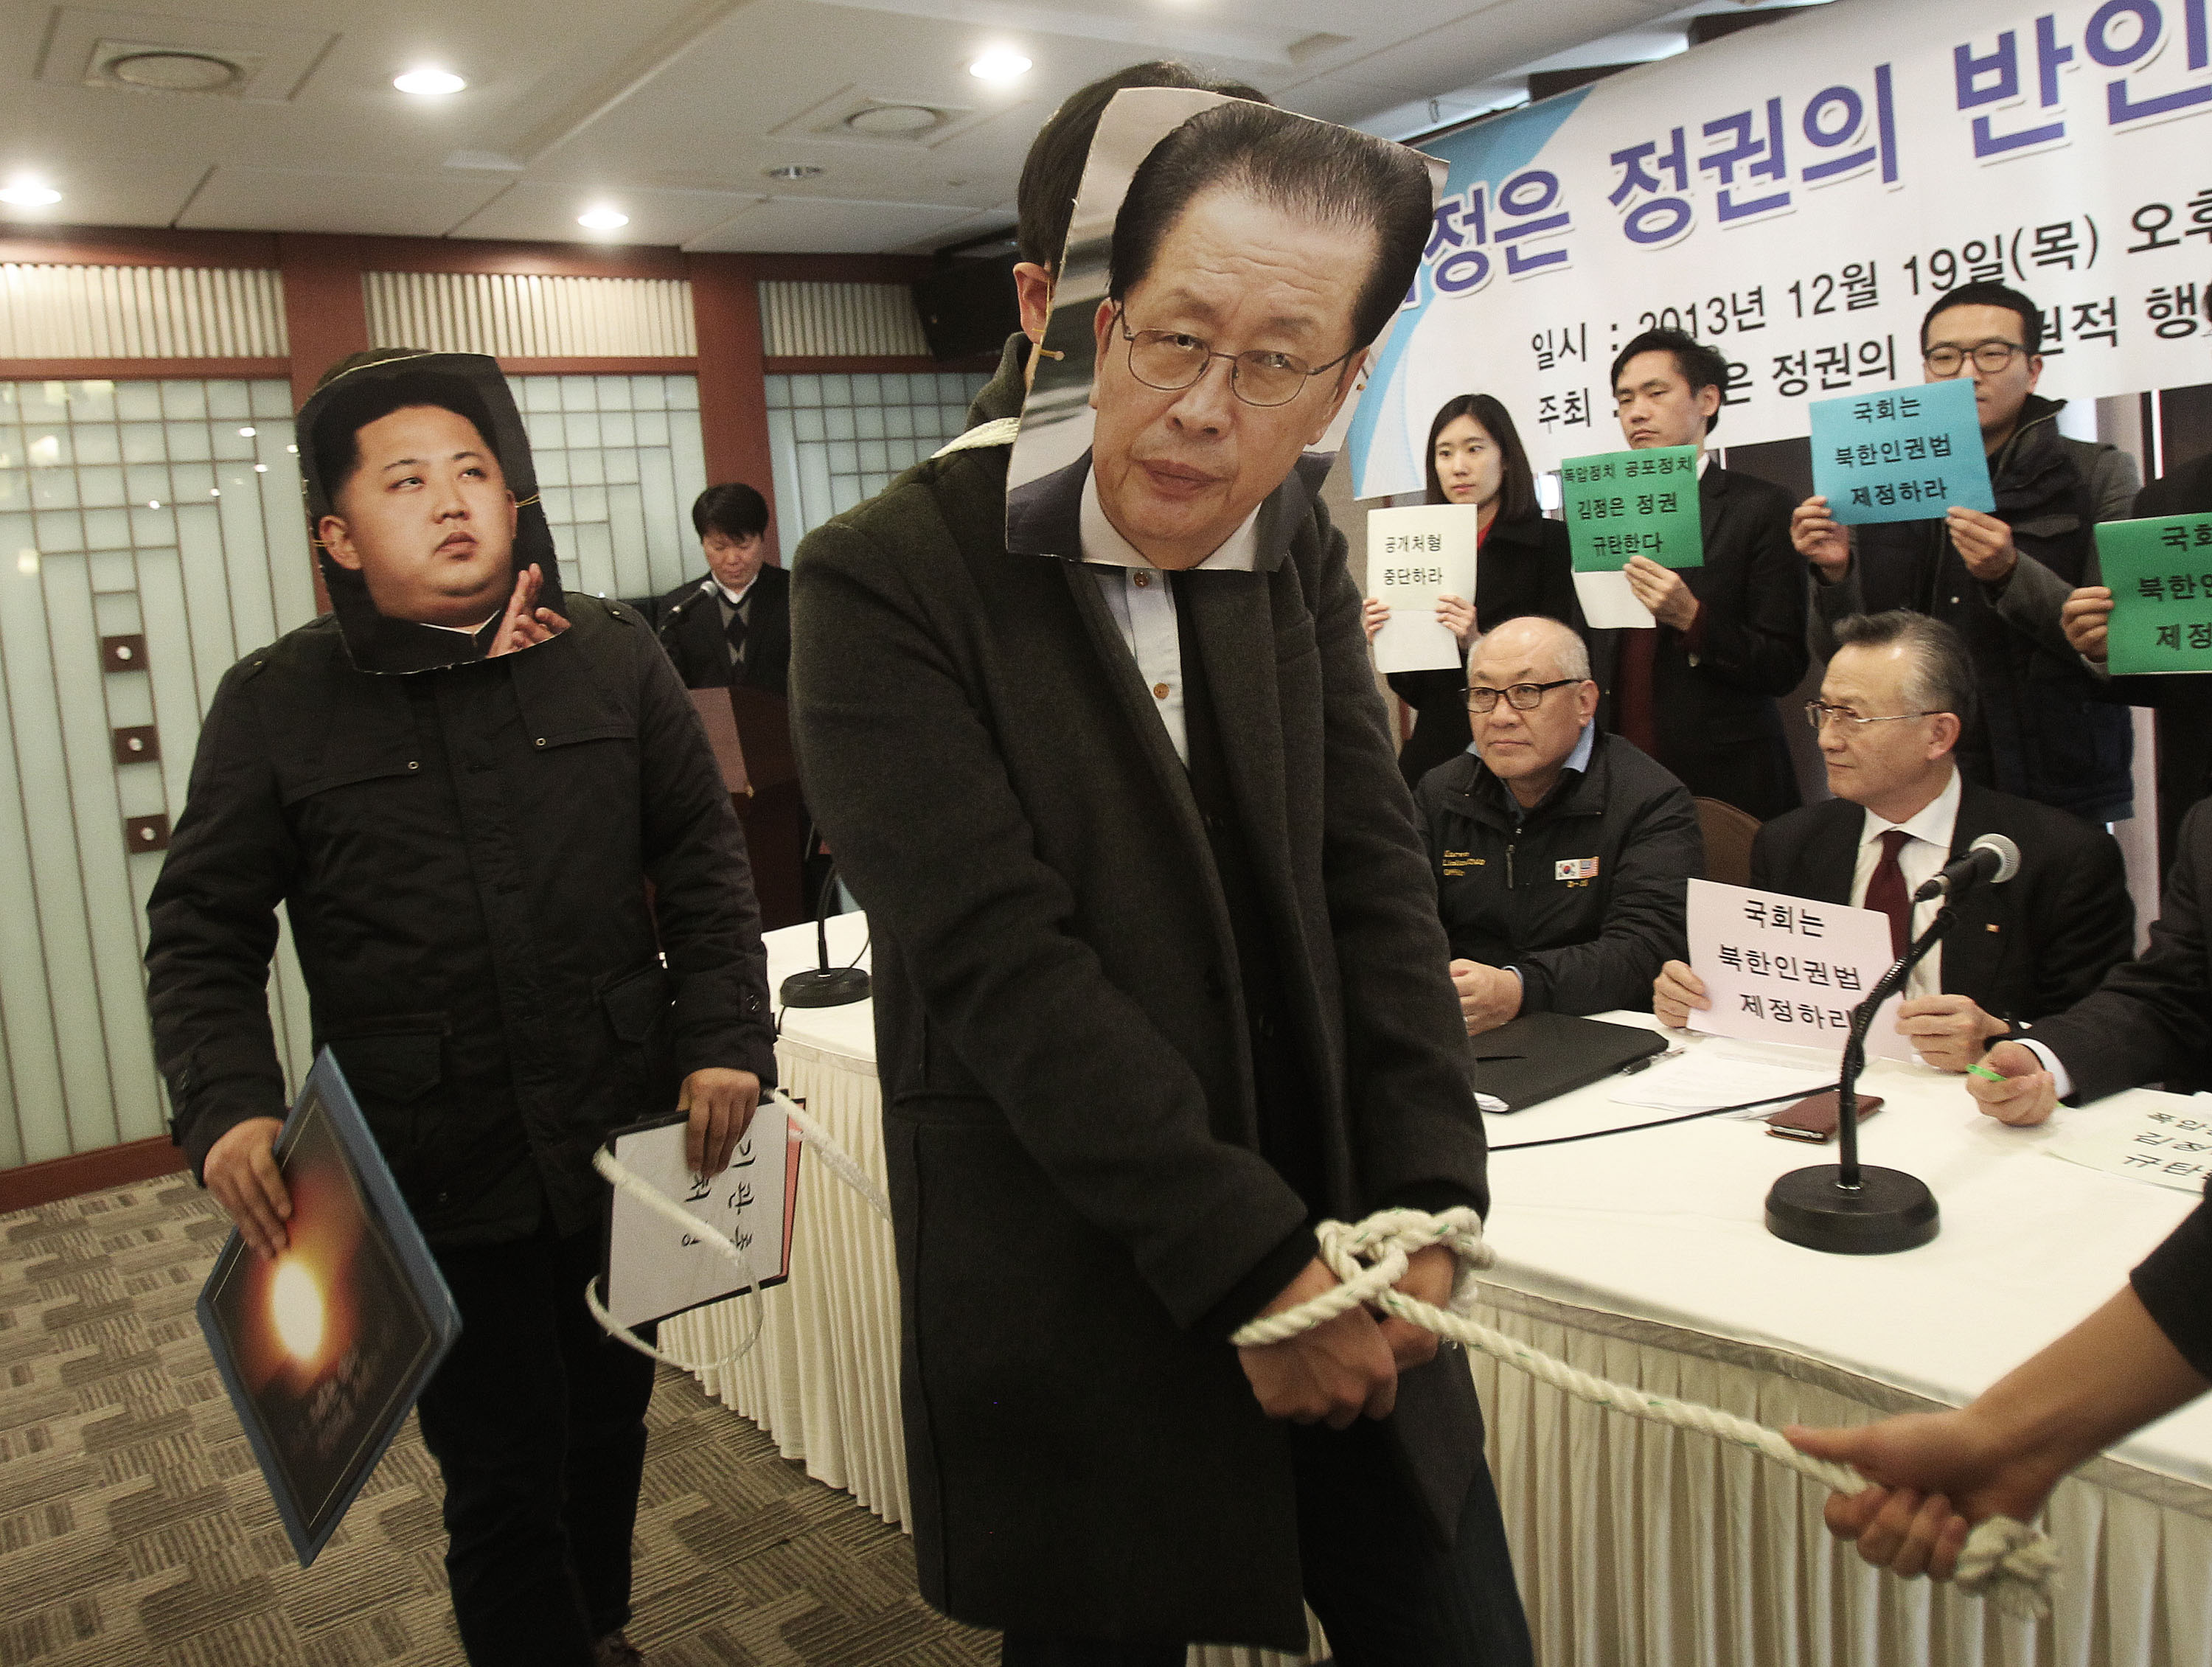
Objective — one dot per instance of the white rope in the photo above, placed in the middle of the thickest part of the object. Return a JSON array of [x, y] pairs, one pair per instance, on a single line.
[[627, 1181], [2007, 1560]]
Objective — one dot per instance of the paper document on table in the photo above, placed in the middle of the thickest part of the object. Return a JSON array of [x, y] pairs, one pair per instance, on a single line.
[[2161, 1139], [1610, 605], [1715, 1074], [1789, 969]]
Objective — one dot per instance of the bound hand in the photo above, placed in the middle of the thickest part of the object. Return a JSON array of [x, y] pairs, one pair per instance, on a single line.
[[2028, 1094], [1430, 1272], [1336, 1372], [1675, 992], [1821, 538], [240, 1170], [721, 1103]]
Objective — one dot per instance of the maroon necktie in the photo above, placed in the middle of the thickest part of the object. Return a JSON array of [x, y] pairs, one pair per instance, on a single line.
[[1886, 892]]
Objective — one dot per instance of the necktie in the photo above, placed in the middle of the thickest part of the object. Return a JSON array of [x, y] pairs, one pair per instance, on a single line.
[[735, 631], [1885, 892]]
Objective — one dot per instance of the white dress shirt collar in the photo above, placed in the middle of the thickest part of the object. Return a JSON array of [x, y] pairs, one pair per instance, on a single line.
[[1935, 821]]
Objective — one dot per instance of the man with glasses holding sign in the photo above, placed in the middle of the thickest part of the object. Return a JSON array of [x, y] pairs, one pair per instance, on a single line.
[[1560, 854], [2046, 731], [1897, 694]]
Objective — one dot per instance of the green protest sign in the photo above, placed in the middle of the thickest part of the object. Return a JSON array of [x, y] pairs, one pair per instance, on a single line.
[[1621, 504], [2160, 574]]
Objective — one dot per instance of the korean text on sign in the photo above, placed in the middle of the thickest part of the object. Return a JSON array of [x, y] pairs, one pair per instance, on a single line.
[[1414, 556], [1902, 456], [1624, 504], [2161, 573], [1783, 969]]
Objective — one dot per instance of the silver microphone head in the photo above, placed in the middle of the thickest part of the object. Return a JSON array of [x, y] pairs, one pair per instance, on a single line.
[[2008, 855]]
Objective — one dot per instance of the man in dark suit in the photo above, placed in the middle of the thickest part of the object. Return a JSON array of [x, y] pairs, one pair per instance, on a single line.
[[2183, 703], [734, 625], [1897, 695], [1160, 981], [1698, 693]]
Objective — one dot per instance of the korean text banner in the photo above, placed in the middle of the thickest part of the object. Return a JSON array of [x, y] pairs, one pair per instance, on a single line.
[[1798, 195]]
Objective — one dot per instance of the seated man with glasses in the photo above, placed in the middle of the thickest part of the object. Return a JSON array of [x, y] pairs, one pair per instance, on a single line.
[[1560, 854], [2047, 732], [1897, 694]]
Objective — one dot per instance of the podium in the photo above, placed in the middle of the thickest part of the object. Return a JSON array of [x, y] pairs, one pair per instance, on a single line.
[[750, 730]]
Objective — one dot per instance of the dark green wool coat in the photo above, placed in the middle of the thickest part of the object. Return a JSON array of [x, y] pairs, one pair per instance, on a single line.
[[1069, 1113]]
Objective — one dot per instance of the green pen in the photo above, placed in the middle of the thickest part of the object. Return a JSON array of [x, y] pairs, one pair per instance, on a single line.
[[1984, 1071]]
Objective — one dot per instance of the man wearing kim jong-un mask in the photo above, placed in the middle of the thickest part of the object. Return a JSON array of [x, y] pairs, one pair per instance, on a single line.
[[1160, 979]]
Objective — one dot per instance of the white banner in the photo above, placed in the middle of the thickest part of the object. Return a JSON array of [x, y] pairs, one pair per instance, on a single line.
[[1798, 195]]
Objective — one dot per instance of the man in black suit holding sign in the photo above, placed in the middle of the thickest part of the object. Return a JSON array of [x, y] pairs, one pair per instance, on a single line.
[[734, 625], [1698, 693], [1897, 694]]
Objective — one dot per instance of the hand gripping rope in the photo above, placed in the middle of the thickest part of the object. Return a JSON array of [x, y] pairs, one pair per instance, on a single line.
[[2004, 1560]]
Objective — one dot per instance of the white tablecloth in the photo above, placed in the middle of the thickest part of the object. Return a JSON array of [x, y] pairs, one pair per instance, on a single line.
[[1643, 1256]]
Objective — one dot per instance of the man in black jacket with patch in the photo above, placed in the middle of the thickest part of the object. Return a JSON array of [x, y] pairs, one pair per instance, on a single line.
[[1562, 856], [462, 854], [2046, 730], [734, 625]]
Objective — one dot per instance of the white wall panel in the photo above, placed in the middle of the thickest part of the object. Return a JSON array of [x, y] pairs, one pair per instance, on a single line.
[[835, 439], [526, 316], [140, 312], [205, 580], [818, 321]]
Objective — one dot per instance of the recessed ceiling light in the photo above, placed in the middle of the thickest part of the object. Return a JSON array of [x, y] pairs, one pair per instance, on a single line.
[[432, 83], [999, 64], [246, 433], [29, 194], [792, 171], [603, 219]]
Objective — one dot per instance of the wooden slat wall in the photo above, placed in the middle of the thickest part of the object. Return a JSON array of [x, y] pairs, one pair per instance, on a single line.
[[218, 569], [529, 315], [824, 320], [140, 312]]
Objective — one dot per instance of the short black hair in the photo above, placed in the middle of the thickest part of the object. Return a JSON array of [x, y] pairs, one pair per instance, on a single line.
[[733, 509], [1310, 168], [1701, 366], [1516, 495], [339, 423], [1990, 294], [1045, 201], [1942, 677]]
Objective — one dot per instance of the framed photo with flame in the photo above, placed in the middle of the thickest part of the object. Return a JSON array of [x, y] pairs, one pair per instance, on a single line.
[[323, 1350]]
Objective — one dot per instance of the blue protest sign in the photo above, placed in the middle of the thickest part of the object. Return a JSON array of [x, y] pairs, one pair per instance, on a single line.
[[1904, 456]]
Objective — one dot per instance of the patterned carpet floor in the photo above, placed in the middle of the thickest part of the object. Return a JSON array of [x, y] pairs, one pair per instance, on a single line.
[[135, 1529]]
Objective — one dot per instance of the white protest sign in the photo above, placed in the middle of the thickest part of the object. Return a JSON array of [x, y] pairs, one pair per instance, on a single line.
[[655, 1268], [1414, 556], [1609, 603], [1782, 969], [2161, 1139]]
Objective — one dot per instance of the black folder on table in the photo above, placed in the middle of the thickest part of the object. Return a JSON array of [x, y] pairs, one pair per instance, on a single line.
[[1540, 1055]]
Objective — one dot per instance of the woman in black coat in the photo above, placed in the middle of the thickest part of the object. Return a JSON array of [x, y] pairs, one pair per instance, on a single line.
[[1475, 456]]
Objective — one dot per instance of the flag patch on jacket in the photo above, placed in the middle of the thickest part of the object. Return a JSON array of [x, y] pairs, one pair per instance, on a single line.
[[1575, 867]]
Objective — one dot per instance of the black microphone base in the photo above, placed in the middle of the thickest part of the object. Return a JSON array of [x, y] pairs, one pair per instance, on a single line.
[[1887, 1210], [826, 987]]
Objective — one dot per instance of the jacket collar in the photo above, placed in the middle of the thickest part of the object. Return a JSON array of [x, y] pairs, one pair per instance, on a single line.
[[1575, 794]]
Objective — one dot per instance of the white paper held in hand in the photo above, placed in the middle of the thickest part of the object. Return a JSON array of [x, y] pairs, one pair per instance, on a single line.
[[1414, 556], [1783, 969], [655, 1268], [1609, 603]]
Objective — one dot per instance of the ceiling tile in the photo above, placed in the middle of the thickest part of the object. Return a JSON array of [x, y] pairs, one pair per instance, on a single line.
[[141, 191], [268, 200], [822, 225], [537, 210]]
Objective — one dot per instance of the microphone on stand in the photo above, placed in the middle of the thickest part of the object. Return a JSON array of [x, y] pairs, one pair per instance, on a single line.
[[823, 985], [676, 612], [1992, 858]]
